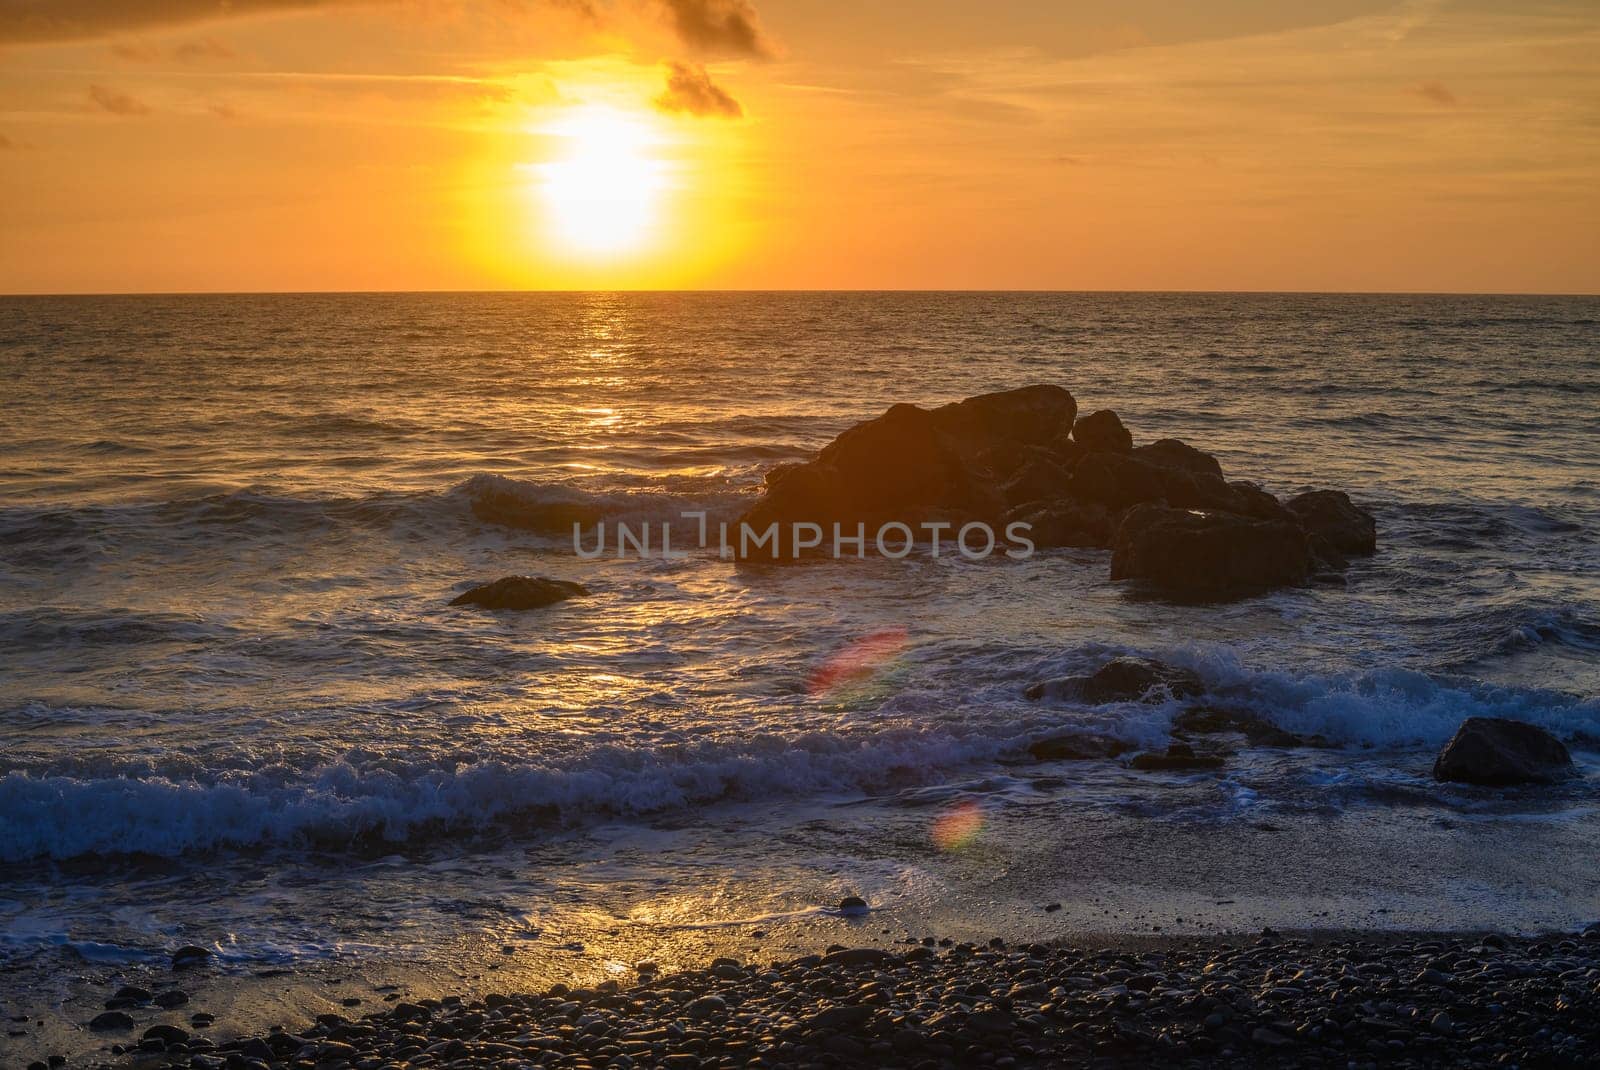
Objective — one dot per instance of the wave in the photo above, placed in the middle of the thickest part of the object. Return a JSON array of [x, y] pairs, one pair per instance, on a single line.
[[1552, 628], [553, 508], [363, 800], [51, 625], [350, 803]]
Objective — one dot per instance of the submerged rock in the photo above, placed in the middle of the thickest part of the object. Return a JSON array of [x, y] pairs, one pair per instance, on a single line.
[[1178, 758], [520, 592], [190, 955], [503, 506], [1122, 680], [1195, 553], [1073, 747], [1497, 752], [1212, 720]]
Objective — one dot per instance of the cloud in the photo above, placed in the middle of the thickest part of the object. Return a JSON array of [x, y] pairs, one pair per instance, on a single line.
[[709, 27], [187, 52], [115, 102], [1436, 92], [690, 89], [45, 21], [720, 27]]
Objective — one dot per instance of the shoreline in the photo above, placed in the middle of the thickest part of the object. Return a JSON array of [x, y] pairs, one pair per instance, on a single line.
[[1314, 998]]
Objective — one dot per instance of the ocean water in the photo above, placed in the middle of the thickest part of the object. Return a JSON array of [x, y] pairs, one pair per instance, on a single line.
[[237, 710]]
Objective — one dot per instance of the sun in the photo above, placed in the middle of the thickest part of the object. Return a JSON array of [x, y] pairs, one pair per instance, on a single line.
[[601, 195]]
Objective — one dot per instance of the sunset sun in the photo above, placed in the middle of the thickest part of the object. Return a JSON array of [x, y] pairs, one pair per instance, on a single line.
[[601, 193]]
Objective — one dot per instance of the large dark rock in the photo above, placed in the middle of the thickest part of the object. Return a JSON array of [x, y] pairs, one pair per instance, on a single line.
[[1122, 680], [1102, 431], [520, 592], [1332, 515], [1192, 553], [1075, 747], [1495, 751], [914, 465], [1064, 522], [1171, 453]]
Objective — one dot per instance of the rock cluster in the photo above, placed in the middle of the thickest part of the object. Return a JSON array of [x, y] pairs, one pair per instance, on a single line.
[[1486, 1001], [1026, 456]]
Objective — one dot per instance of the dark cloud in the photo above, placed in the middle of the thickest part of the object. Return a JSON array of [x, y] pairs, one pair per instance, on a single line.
[[1437, 93], [117, 103], [690, 89], [720, 27]]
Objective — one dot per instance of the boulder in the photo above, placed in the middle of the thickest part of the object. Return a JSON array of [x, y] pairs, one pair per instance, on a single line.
[[1102, 432], [1192, 553], [1332, 515], [1064, 522], [1212, 720], [1122, 680], [520, 592], [1496, 752], [1117, 480], [1039, 479], [1171, 453], [913, 465]]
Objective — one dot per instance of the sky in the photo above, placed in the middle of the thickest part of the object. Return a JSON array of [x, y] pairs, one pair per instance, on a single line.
[[1341, 145]]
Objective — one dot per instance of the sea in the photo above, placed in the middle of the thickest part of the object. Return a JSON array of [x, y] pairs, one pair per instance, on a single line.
[[238, 711]]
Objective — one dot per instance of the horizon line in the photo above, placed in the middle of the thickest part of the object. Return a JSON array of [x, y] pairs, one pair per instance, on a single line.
[[790, 290]]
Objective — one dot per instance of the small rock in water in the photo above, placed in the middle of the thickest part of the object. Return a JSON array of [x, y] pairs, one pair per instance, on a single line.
[[853, 904], [520, 592], [190, 955]]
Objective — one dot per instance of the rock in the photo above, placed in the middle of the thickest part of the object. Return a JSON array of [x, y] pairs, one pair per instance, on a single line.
[[1179, 757], [1065, 522], [1102, 431], [913, 465], [1171, 453], [173, 998], [1211, 720], [844, 1017], [167, 1034], [190, 955], [1041, 479], [1208, 555], [706, 1007], [1119, 480], [1122, 680], [1331, 514], [1495, 751], [520, 592], [853, 904], [857, 956], [109, 1020]]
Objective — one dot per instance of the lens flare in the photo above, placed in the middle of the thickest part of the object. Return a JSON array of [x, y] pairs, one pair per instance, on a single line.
[[859, 662], [958, 826]]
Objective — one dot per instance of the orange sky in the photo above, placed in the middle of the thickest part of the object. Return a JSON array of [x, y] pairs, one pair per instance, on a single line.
[[161, 145]]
